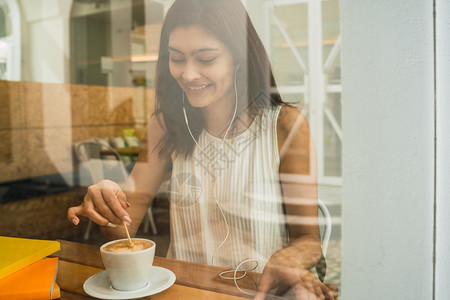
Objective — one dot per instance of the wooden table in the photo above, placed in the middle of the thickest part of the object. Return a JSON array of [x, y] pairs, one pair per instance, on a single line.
[[77, 262]]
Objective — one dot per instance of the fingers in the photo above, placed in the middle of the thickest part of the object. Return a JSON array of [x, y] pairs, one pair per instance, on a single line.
[[327, 292], [110, 202], [304, 284], [87, 210], [305, 292], [120, 195], [263, 288], [282, 288], [104, 203], [322, 290], [92, 214], [316, 288], [115, 200], [260, 295], [73, 212], [265, 285], [99, 205], [122, 199], [309, 287]]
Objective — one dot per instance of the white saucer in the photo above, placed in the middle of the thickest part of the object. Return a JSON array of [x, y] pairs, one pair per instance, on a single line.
[[99, 286]]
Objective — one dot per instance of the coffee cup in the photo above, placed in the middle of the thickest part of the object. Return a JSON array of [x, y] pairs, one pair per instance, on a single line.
[[128, 268]]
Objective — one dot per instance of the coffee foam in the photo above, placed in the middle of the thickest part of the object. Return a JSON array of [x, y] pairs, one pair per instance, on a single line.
[[124, 246]]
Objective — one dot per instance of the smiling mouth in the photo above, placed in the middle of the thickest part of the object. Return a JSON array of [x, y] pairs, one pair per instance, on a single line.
[[197, 88]]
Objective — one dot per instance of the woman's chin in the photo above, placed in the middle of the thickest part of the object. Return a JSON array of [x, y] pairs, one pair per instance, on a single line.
[[199, 103]]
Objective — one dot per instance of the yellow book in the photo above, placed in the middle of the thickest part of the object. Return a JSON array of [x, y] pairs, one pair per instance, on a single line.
[[17, 253]]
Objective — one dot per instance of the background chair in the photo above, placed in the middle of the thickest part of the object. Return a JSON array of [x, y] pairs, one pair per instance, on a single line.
[[325, 233], [93, 168], [326, 228]]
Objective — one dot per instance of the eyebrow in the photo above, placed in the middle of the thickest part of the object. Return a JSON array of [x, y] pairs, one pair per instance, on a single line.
[[195, 51]]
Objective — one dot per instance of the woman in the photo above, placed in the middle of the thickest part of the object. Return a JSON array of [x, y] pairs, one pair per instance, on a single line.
[[222, 125]]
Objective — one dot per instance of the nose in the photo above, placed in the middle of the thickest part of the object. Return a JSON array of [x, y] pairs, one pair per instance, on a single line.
[[190, 72]]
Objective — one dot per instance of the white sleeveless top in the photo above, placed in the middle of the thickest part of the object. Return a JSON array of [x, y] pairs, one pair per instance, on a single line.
[[242, 175]]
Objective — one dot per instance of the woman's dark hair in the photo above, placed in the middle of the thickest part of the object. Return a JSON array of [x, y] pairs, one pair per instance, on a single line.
[[229, 22]]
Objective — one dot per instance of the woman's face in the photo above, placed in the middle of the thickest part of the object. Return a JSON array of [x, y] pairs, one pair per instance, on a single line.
[[202, 65]]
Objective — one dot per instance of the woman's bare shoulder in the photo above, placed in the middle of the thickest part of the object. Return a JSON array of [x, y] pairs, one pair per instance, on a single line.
[[288, 118]]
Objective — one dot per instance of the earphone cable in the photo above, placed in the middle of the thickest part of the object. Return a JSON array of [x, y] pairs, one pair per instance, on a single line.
[[222, 274]]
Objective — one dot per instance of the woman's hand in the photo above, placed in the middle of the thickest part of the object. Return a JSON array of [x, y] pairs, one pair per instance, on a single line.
[[283, 270], [104, 203]]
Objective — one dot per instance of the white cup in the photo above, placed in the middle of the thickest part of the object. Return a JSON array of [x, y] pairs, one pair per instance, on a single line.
[[128, 271]]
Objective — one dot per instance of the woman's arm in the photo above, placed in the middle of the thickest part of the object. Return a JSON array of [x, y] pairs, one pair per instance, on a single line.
[[298, 157], [290, 266], [105, 203], [145, 178]]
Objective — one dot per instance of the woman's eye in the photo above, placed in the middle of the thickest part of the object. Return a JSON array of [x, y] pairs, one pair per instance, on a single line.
[[207, 61], [176, 60]]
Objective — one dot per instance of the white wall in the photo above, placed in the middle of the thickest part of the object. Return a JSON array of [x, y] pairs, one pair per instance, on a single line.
[[11, 44], [388, 152], [46, 44], [45, 40], [443, 148]]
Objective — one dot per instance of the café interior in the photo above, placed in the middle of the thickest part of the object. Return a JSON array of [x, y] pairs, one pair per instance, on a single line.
[[77, 91]]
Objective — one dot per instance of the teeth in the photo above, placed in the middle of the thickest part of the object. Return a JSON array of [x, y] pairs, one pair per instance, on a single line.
[[197, 88]]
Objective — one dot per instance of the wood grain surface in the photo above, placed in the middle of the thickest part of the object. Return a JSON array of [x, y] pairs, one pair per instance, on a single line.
[[193, 281], [71, 277], [188, 274]]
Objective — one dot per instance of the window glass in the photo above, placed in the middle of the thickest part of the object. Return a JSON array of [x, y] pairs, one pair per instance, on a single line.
[[331, 35], [5, 21], [5, 31], [333, 135], [81, 109], [295, 99], [289, 46]]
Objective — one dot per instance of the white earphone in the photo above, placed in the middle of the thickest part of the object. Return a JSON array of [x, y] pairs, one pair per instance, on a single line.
[[232, 119], [223, 274]]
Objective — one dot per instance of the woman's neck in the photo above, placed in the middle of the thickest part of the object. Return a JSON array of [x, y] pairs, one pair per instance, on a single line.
[[219, 116]]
